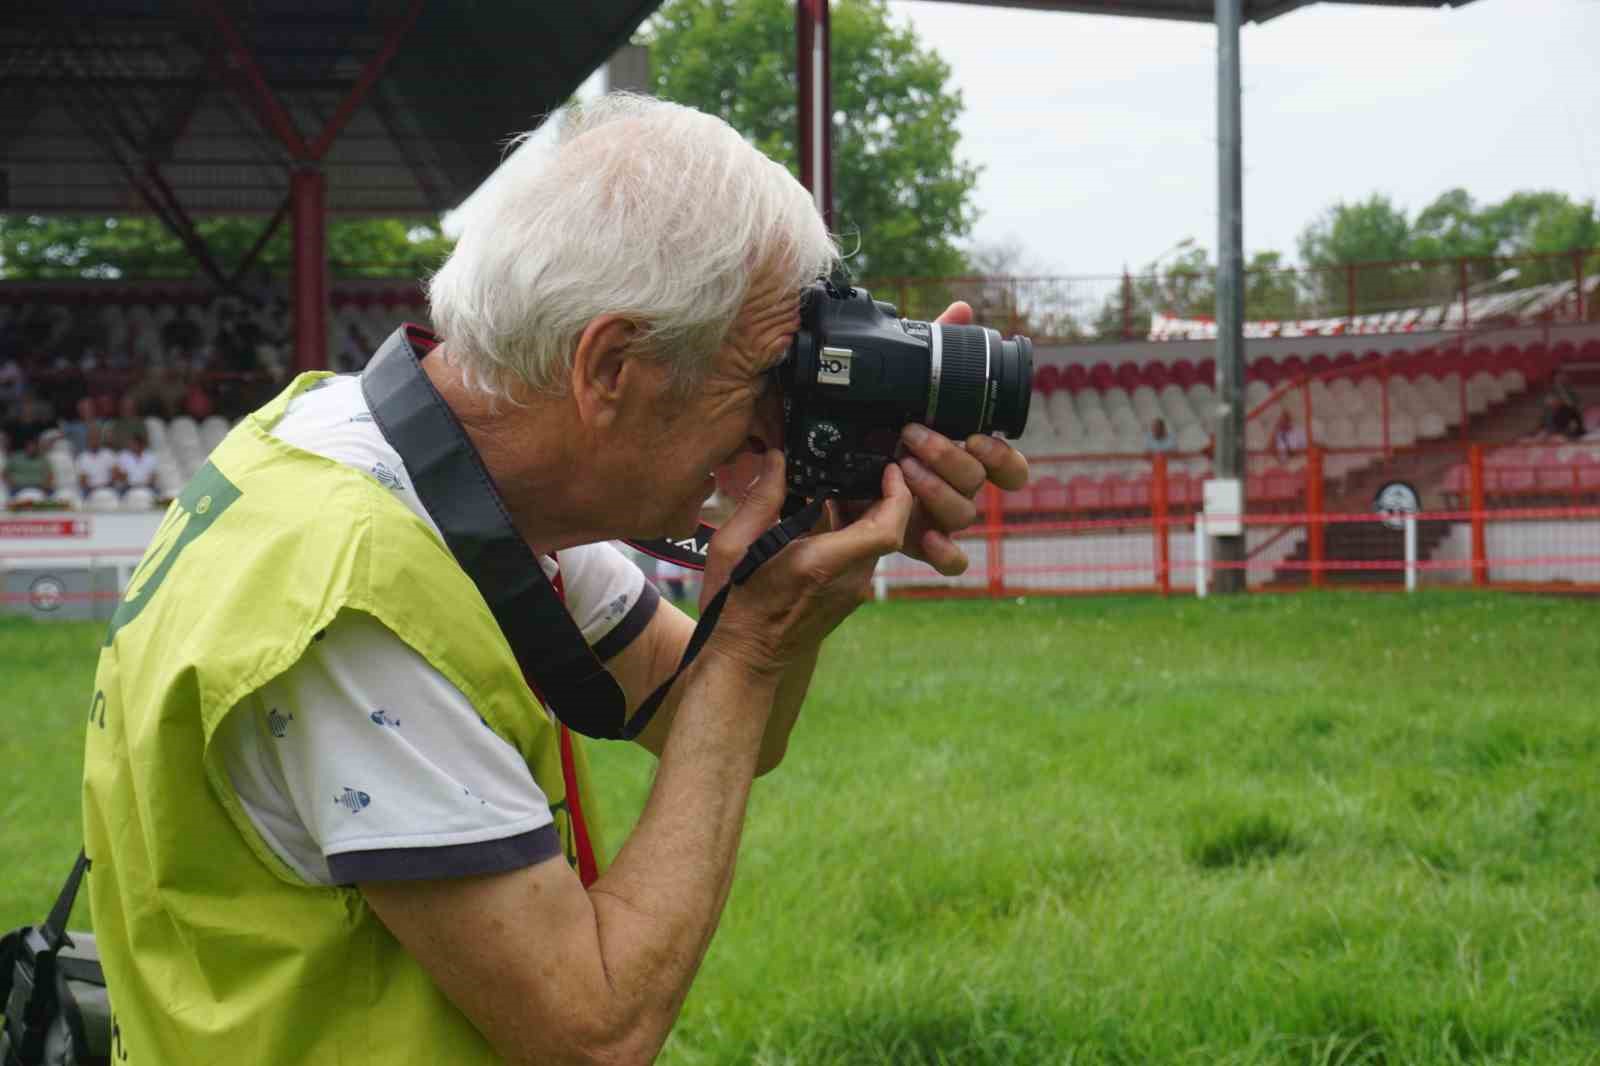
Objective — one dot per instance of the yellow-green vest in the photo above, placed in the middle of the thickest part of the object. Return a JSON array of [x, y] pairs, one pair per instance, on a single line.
[[214, 950]]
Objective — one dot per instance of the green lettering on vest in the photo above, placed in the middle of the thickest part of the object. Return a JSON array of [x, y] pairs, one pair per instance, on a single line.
[[206, 496]]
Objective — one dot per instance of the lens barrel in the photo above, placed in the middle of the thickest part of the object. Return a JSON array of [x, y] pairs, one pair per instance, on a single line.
[[978, 381]]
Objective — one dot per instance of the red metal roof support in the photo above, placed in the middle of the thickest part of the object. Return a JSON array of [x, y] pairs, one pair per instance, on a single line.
[[307, 199], [307, 185], [369, 77]]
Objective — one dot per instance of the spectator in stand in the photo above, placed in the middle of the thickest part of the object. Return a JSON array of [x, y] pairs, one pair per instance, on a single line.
[[136, 467], [129, 420], [28, 476], [1287, 439], [32, 419], [1559, 418], [197, 402], [1157, 439], [13, 383], [181, 336], [356, 350], [97, 463], [1562, 387]]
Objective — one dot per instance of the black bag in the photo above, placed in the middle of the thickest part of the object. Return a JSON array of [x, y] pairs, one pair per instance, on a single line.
[[53, 992]]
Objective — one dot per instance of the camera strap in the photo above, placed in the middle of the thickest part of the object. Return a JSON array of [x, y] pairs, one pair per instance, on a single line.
[[459, 495]]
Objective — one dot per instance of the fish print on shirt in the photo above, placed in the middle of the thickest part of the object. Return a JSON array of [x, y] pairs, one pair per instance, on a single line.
[[353, 800]]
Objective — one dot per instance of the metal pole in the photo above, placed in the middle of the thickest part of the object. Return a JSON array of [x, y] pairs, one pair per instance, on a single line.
[[816, 103], [1411, 553], [1230, 435], [1202, 566]]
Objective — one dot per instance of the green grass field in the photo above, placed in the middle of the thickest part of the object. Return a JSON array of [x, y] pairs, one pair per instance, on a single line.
[[1320, 829]]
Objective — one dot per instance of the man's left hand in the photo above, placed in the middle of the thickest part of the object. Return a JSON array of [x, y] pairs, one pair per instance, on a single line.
[[945, 478]]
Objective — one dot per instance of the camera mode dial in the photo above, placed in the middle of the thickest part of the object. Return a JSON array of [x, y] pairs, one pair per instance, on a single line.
[[821, 439]]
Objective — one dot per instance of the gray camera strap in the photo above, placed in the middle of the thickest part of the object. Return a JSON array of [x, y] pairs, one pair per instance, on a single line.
[[458, 493]]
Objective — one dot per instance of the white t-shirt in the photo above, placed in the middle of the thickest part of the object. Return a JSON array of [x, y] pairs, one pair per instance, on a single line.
[[361, 762], [95, 467], [139, 470]]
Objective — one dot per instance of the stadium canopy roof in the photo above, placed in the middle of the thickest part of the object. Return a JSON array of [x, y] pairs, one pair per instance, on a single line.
[[131, 106], [1195, 10]]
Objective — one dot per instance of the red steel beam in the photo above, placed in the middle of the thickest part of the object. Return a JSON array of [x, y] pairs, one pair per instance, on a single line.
[[308, 208], [369, 77], [271, 113]]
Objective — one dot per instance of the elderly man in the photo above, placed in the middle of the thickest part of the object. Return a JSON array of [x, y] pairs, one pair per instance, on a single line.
[[329, 819]]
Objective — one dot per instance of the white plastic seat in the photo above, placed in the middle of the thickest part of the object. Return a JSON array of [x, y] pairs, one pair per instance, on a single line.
[[1114, 399], [1202, 398], [103, 500], [1513, 382], [1347, 401], [1369, 432], [1060, 409], [138, 499], [212, 430], [1431, 426], [1256, 392], [1340, 433], [1488, 384], [1402, 430], [1088, 403], [184, 434], [155, 433]]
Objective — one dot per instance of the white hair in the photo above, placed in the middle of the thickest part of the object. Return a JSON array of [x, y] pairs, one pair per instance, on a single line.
[[640, 208]]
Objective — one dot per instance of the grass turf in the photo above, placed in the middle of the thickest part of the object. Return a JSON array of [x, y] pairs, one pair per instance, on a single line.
[[1312, 829]]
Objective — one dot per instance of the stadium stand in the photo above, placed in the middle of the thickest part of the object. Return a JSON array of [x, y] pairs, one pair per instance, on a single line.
[[1086, 435], [173, 362]]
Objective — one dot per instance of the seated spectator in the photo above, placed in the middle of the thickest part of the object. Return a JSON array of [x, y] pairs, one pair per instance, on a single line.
[[197, 402], [129, 420], [181, 336], [1157, 439], [12, 382], [1559, 418], [97, 463], [28, 475], [1562, 387], [31, 420], [1287, 438], [136, 467]]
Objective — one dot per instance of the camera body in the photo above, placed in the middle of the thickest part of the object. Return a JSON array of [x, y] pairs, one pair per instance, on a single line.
[[857, 373]]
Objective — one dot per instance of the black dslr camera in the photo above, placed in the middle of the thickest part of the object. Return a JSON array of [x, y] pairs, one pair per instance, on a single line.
[[858, 372]]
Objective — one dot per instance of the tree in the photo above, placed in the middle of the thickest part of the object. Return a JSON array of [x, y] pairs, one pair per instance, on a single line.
[[1271, 291], [1370, 231], [903, 199], [37, 247]]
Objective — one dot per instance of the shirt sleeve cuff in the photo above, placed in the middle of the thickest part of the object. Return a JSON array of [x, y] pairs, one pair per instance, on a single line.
[[453, 860], [633, 623]]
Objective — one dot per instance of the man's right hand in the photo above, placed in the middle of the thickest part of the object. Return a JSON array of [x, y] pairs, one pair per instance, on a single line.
[[796, 598]]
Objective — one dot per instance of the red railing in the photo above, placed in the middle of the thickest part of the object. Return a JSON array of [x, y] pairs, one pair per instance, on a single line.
[[1090, 524]]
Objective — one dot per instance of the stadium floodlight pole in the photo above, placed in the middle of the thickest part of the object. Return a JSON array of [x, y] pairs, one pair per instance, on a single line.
[[1229, 435], [813, 63]]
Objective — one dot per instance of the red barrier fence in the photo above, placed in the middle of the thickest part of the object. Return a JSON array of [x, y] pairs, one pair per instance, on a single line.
[[1516, 515]]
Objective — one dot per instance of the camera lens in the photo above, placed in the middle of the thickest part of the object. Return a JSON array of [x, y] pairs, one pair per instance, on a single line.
[[978, 381]]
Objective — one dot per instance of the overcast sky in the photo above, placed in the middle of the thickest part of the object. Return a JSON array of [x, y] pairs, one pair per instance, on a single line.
[[1097, 135]]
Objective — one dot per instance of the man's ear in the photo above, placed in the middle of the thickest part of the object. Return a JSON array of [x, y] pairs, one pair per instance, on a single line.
[[599, 366]]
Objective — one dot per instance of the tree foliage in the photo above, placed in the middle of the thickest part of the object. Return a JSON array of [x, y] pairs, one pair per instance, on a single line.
[[1453, 227], [38, 247], [902, 197]]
